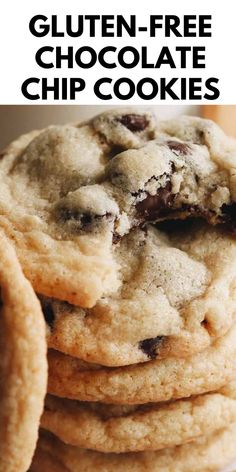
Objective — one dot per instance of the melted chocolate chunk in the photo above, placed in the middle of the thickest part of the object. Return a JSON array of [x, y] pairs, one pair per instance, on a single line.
[[134, 122], [48, 313], [229, 216], [229, 210], [156, 206], [176, 225], [150, 346], [115, 150], [179, 149]]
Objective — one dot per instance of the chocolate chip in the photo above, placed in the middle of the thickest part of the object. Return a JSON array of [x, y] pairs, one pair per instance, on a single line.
[[134, 122], [229, 216], [48, 313], [150, 346], [229, 210], [67, 214], [115, 150], [199, 137], [179, 149], [155, 206], [176, 225], [116, 238], [85, 220]]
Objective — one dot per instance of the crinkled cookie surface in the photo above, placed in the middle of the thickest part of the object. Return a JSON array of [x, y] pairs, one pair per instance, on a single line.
[[203, 455], [69, 193], [127, 428], [176, 297]]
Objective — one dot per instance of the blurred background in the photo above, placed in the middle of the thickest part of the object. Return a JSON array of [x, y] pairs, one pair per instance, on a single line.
[[17, 119]]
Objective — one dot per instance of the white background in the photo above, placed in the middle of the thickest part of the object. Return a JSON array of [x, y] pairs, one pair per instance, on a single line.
[[18, 46]]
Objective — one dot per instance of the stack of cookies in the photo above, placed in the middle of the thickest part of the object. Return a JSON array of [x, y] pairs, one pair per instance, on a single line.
[[125, 227]]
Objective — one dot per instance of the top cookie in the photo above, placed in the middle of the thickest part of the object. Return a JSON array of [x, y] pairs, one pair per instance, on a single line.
[[23, 366], [70, 192]]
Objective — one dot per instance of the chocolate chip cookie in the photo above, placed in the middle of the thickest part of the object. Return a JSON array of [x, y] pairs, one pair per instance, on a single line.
[[43, 176], [207, 454], [177, 295], [154, 381], [23, 366], [72, 192], [127, 428]]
